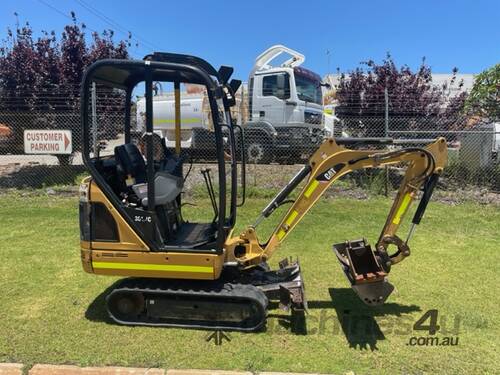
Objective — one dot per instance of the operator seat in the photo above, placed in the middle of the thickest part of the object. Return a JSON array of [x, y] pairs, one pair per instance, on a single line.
[[168, 183], [131, 169], [132, 172]]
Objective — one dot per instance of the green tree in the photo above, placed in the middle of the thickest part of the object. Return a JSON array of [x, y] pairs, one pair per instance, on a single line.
[[40, 79], [414, 101], [484, 98]]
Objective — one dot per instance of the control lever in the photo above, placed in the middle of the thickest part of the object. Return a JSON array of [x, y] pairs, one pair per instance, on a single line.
[[210, 188]]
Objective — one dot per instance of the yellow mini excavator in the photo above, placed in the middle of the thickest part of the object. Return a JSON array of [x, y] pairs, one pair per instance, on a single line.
[[200, 274]]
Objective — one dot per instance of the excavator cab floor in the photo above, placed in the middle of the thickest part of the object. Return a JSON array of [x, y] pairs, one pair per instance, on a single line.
[[193, 235], [363, 270]]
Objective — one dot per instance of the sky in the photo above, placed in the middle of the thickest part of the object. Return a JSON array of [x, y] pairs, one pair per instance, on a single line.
[[331, 34]]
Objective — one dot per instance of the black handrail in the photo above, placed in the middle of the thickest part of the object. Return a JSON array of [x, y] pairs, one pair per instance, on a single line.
[[243, 165]]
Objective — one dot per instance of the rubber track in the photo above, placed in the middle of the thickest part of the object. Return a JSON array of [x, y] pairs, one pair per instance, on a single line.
[[192, 288]]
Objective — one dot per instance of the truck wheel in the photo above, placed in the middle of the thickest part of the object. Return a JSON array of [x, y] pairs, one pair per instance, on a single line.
[[258, 152]]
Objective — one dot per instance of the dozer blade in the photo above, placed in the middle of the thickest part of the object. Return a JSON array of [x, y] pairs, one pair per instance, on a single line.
[[285, 285], [362, 268]]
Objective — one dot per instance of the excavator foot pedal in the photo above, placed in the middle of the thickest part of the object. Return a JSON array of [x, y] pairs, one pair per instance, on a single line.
[[363, 270]]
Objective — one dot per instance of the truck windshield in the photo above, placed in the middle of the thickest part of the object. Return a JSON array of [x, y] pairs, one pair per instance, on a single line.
[[308, 90]]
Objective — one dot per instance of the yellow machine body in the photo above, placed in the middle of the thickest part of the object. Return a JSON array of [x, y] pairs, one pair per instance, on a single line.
[[130, 256]]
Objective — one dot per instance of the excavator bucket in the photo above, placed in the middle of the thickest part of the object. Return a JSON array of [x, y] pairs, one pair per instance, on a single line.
[[363, 270]]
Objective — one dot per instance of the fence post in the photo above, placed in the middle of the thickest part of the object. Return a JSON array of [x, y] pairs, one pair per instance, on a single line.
[[386, 122], [386, 128]]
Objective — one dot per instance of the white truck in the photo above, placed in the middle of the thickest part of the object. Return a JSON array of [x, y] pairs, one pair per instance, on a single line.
[[280, 108]]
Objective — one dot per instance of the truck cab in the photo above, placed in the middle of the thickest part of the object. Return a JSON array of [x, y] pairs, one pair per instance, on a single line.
[[286, 97], [285, 107]]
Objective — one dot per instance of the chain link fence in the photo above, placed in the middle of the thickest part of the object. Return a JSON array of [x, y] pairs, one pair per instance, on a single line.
[[473, 150], [272, 157]]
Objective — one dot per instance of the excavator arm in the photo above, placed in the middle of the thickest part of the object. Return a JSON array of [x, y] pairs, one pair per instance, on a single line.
[[366, 268]]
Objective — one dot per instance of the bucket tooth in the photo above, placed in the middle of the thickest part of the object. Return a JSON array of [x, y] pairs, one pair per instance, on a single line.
[[363, 270]]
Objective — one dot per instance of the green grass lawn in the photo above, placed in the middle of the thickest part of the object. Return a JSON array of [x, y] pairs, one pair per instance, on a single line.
[[52, 312]]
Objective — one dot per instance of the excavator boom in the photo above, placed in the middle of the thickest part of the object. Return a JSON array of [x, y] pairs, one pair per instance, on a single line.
[[365, 268]]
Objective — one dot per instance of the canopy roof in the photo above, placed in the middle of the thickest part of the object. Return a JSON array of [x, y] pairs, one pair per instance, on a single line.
[[167, 67]]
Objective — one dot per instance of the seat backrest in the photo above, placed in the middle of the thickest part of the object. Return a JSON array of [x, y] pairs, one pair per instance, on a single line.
[[171, 163], [130, 163]]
